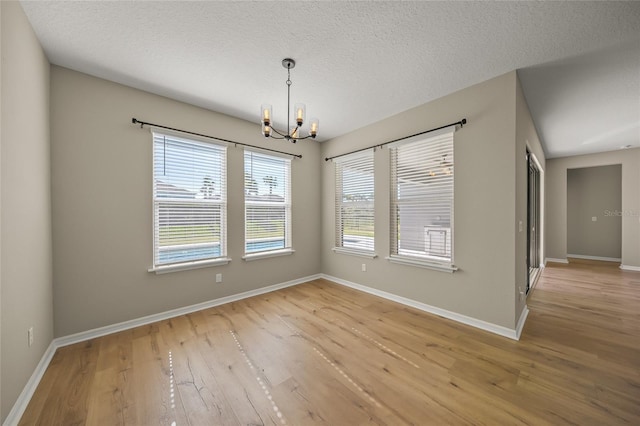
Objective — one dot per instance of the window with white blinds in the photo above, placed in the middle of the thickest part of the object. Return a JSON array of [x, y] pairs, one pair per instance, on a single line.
[[355, 202], [189, 200], [422, 199], [267, 202]]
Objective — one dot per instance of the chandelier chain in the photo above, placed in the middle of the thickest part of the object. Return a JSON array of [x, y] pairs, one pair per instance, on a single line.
[[288, 102]]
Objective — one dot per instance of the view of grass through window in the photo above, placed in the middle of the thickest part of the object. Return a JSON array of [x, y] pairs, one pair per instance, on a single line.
[[189, 199]]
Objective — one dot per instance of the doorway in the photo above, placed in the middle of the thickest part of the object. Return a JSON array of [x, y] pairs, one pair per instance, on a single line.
[[594, 213], [533, 221]]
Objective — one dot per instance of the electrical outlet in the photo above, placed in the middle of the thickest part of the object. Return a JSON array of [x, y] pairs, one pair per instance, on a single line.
[[520, 226], [364, 267], [30, 335], [594, 218], [218, 278]]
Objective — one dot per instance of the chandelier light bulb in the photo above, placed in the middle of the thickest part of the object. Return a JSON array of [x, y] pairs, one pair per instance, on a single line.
[[313, 128], [266, 130], [266, 114], [300, 114]]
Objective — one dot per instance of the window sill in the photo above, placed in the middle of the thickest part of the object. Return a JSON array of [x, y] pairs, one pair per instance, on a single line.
[[354, 252], [423, 263], [266, 254], [164, 269]]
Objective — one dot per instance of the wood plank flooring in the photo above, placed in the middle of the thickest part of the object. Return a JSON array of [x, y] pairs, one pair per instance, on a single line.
[[320, 353]]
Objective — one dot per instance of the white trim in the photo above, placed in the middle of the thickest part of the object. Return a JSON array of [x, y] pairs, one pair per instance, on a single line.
[[554, 260], [355, 252], [605, 259], [523, 318], [483, 325], [630, 268], [266, 254], [422, 263], [23, 400], [25, 396], [190, 265], [126, 325]]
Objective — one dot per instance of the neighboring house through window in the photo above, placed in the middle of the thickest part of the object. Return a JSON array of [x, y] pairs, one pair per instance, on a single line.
[[189, 202], [422, 176]]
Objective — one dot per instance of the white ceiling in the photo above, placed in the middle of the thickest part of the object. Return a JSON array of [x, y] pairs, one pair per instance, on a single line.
[[359, 62], [587, 103]]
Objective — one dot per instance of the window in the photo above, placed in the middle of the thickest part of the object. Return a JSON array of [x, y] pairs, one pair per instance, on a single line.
[[422, 201], [189, 202], [354, 204], [267, 205]]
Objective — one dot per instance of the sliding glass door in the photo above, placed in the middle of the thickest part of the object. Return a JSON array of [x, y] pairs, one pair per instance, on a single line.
[[533, 221]]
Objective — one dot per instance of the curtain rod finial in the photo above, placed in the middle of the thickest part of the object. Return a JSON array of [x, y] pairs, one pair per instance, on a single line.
[[463, 122]]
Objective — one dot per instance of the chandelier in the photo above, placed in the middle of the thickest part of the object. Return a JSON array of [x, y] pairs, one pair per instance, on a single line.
[[292, 133]]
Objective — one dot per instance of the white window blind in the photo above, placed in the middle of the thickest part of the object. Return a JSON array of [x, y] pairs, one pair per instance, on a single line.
[[189, 200], [355, 202], [267, 199], [422, 198]]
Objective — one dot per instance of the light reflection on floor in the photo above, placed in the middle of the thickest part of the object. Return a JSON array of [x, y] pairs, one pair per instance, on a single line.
[[172, 398]]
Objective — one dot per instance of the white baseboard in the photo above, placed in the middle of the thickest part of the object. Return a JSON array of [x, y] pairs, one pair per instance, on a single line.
[[23, 400], [630, 268], [605, 259], [523, 318], [554, 260], [18, 408], [126, 325], [483, 325]]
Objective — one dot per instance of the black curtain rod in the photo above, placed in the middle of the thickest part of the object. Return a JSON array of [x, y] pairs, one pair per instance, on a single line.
[[142, 123], [461, 123]]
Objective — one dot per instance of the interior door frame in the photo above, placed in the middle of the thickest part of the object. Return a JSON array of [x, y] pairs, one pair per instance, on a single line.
[[534, 216]]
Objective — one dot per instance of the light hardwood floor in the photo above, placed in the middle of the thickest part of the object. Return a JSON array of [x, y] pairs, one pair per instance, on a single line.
[[320, 353]]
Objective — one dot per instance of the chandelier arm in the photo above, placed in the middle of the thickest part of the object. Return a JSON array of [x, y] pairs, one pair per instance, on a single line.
[[280, 133]]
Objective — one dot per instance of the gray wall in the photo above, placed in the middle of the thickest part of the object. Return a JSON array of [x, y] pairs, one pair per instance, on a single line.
[[486, 207], [556, 201], [80, 171], [591, 192], [102, 206], [25, 210]]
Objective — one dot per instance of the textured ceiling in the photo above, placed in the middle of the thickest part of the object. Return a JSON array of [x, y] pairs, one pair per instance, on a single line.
[[357, 62]]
